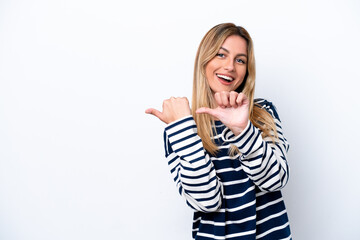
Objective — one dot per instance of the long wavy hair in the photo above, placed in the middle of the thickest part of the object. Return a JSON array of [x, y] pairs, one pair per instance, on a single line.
[[203, 96]]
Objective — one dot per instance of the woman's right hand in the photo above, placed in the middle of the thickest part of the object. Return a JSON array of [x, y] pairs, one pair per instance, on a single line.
[[173, 109]]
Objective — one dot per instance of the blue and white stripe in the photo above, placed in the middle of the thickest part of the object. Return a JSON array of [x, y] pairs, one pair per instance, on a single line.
[[234, 197]]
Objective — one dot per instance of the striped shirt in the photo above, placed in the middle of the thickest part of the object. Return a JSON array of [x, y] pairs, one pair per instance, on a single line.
[[234, 197]]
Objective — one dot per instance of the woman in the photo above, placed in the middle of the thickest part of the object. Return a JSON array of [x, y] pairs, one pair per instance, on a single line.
[[227, 154]]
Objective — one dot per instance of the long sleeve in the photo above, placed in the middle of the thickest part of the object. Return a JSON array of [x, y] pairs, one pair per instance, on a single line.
[[264, 161], [191, 167]]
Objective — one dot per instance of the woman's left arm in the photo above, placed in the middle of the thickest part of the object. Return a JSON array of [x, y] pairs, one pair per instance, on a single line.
[[263, 159]]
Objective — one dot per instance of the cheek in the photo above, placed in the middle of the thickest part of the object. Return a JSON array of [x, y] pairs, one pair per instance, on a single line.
[[208, 70], [211, 66], [242, 75], [242, 71]]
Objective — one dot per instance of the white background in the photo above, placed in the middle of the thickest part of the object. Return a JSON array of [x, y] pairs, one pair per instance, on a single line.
[[79, 159]]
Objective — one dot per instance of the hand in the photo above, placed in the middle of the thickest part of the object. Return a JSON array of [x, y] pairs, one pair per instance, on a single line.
[[173, 109], [232, 110]]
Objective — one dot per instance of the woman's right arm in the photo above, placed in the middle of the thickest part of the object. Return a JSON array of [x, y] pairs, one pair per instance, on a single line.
[[191, 167]]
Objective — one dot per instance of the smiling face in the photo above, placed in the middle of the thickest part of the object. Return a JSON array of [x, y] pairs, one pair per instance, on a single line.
[[226, 71]]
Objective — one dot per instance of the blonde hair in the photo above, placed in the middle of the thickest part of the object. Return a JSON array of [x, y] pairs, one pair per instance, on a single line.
[[202, 95]]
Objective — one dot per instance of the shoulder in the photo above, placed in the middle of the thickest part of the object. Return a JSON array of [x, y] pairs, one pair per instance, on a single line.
[[267, 105]]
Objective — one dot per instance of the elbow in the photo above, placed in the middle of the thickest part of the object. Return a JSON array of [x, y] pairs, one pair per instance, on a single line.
[[209, 204], [214, 207], [277, 185], [278, 180], [210, 208]]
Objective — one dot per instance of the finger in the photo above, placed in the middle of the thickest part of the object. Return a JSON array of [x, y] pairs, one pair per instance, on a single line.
[[246, 100], [240, 98], [233, 96], [205, 110], [225, 98], [218, 100], [156, 113]]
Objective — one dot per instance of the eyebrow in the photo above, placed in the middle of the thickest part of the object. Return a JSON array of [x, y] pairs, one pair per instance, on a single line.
[[240, 54]]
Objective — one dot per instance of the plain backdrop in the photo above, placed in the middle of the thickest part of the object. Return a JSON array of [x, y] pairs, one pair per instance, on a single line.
[[79, 159]]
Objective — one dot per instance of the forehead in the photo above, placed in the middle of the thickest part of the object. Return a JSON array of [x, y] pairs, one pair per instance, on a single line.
[[235, 43]]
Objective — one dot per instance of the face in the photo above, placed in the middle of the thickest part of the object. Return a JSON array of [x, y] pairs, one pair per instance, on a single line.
[[226, 71]]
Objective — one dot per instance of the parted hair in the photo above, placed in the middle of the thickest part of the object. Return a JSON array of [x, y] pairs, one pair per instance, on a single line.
[[203, 96]]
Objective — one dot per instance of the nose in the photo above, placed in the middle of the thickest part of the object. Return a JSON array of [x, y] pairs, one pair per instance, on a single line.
[[229, 65]]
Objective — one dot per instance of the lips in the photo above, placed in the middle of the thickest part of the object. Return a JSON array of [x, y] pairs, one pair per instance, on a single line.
[[224, 79]]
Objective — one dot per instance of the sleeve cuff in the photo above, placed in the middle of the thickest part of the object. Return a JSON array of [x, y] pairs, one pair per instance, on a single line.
[[247, 141], [228, 136], [181, 131], [178, 124]]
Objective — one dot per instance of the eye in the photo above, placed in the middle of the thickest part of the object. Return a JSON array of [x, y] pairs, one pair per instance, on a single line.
[[239, 60], [220, 55]]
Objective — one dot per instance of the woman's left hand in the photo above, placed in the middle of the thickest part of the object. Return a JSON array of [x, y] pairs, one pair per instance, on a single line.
[[232, 110]]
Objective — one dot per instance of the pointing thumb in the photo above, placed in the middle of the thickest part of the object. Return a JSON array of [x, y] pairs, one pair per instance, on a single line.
[[155, 112], [206, 110]]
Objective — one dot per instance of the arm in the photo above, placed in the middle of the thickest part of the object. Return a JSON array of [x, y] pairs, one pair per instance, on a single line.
[[264, 161], [191, 167]]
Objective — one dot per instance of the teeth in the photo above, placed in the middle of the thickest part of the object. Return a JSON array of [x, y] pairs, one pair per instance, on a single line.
[[225, 77]]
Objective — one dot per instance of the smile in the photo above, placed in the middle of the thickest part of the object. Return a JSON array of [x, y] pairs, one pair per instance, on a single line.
[[225, 78]]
